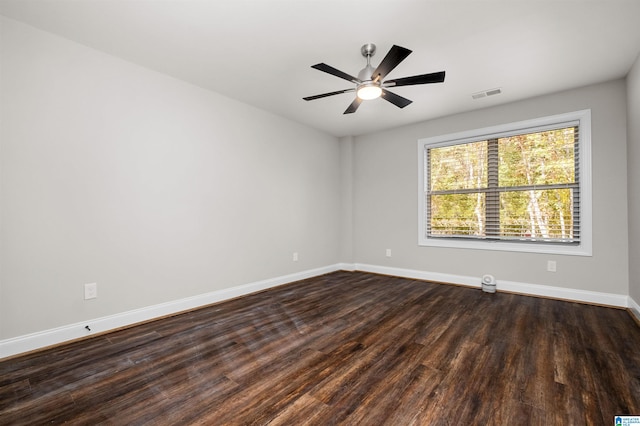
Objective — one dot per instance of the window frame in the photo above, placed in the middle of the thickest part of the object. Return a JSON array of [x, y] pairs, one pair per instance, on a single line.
[[583, 248]]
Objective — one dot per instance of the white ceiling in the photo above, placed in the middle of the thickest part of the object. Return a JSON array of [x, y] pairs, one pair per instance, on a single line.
[[260, 51]]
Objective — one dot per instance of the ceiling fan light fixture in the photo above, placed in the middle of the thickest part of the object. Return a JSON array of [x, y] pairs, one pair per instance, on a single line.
[[368, 91]]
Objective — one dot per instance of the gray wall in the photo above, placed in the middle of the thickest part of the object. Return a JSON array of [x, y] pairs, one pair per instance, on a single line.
[[153, 188], [385, 197], [346, 214], [633, 166]]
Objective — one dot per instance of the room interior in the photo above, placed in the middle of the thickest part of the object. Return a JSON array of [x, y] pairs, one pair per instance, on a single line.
[[163, 151]]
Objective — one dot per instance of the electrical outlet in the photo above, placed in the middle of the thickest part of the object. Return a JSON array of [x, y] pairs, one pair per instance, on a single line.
[[90, 291], [388, 252], [295, 256], [551, 265]]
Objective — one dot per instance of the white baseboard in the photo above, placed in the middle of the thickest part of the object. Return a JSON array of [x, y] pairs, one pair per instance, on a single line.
[[610, 299], [419, 275], [634, 307], [54, 336], [350, 267]]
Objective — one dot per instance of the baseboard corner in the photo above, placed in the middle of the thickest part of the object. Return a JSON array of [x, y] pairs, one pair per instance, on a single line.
[[634, 310]]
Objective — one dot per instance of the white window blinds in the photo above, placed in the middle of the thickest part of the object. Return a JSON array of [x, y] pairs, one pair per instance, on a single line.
[[519, 185]]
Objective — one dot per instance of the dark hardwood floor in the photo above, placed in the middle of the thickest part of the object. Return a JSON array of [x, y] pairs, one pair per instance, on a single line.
[[343, 348]]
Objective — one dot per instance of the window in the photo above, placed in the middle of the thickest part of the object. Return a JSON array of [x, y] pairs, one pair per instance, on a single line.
[[523, 186]]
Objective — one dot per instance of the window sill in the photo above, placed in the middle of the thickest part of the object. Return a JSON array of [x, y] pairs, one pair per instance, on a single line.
[[576, 250]]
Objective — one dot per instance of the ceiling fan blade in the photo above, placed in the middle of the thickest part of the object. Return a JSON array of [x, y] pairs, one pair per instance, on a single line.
[[324, 95], [397, 100], [354, 106], [333, 71], [394, 57], [435, 77]]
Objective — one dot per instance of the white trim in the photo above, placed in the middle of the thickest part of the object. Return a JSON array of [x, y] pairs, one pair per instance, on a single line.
[[561, 293], [420, 275], [634, 307], [54, 336], [585, 246], [350, 267]]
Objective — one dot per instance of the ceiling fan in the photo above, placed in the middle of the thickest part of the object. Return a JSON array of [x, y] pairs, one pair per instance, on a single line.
[[370, 83]]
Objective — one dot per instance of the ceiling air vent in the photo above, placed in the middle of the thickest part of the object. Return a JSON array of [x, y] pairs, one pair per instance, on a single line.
[[486, 93]]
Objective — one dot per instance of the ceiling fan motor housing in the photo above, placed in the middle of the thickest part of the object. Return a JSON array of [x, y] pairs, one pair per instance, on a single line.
[[366, 73]]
